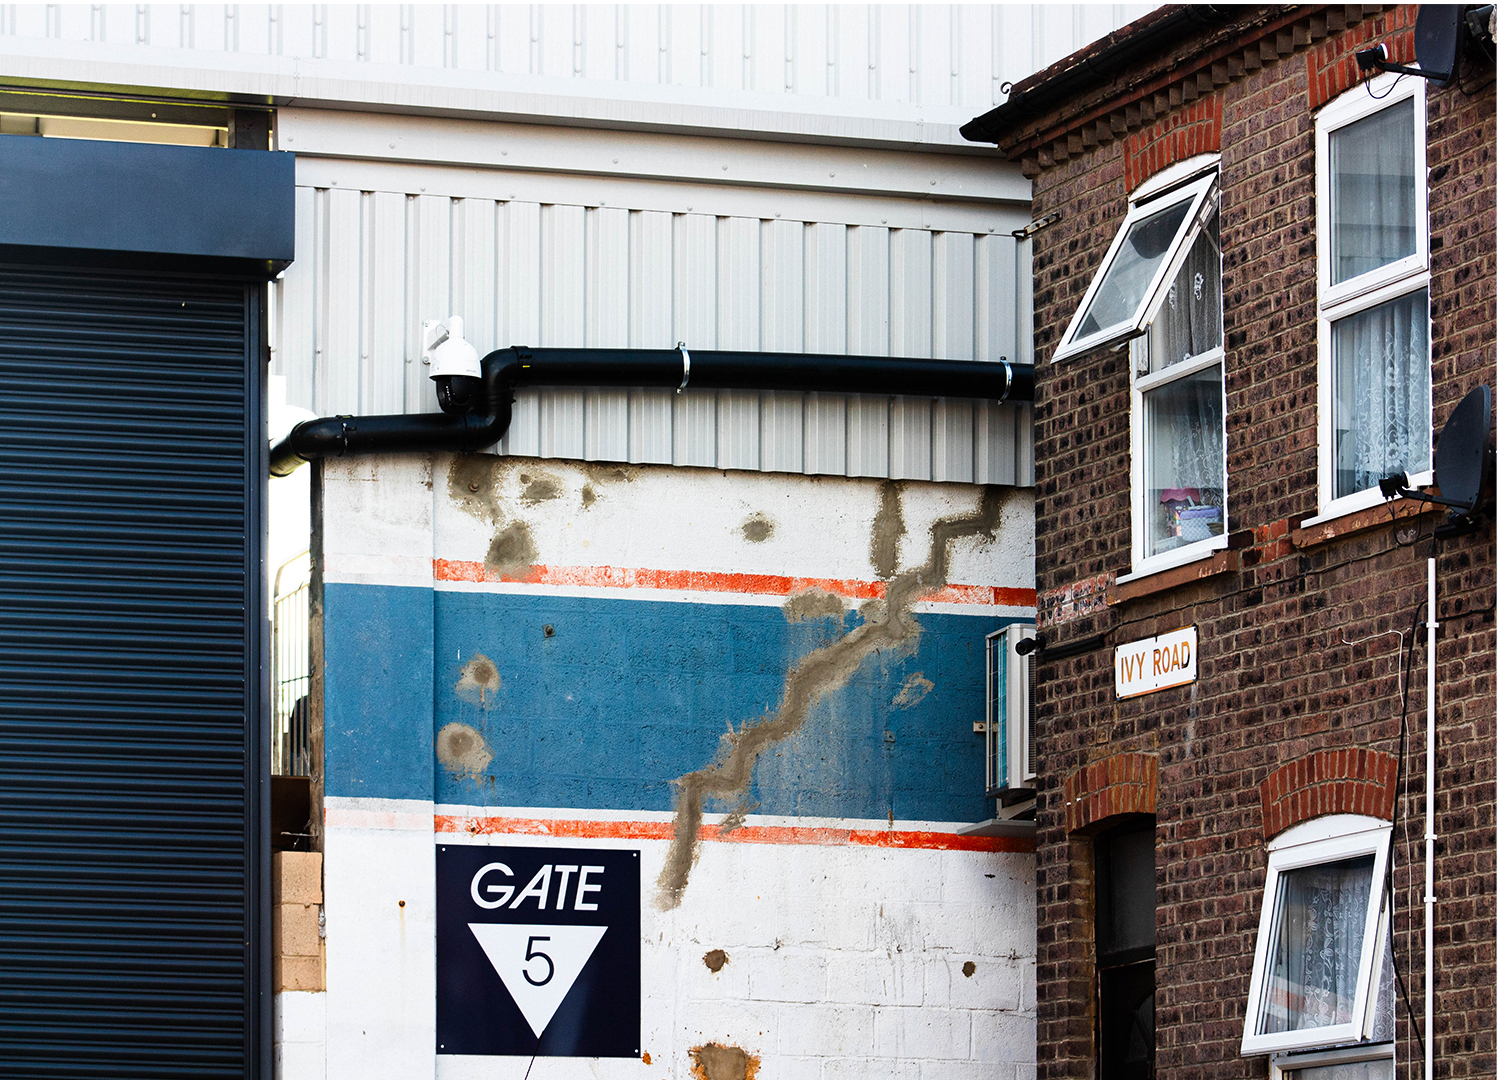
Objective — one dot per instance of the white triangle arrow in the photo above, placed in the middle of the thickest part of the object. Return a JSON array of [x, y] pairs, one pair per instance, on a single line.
[[538, 962]]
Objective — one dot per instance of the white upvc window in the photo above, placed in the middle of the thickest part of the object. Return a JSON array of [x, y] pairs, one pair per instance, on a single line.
[[1321, 937], [1178, 395], [1373, 1062], [1163, 218], [1372, 236]]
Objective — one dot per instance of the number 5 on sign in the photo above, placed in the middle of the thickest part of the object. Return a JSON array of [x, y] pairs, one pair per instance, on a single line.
[[531, 954], [538, 963]]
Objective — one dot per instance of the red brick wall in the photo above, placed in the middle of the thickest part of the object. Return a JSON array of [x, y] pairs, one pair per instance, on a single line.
[[1331, 67], [1184, 133], [1120, 784], [1329, 782], [1277, 683]]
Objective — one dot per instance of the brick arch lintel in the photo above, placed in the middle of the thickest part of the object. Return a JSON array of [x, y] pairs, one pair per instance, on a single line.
[[1118, 784], [1345, 781]]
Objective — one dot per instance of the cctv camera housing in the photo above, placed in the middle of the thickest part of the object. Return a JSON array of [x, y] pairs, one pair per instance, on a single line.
[[454, 365]]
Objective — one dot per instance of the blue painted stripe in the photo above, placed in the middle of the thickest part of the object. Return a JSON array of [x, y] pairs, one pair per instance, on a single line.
[[627, 695]]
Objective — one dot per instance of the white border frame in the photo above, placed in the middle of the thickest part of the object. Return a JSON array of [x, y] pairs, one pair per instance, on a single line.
[[1203, 167], [1323, 840], [1015, 699], [1196, 192], [1281, 1065], [1336, 302]]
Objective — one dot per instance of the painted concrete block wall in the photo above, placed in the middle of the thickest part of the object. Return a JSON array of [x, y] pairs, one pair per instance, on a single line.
[[535, 653]]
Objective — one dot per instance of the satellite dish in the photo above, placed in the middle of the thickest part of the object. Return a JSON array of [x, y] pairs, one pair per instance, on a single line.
[[1438, 33], [1463, 458]]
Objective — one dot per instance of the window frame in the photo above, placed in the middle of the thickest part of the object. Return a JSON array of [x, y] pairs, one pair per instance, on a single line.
[[1335, 302], [1283, 1066], [1004, 739], [1145, 201], [1201, 170], [1329, 839]]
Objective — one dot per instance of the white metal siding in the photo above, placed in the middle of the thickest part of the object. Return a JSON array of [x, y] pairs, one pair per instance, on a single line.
[[892, 74], [372, 264], [932, 54]]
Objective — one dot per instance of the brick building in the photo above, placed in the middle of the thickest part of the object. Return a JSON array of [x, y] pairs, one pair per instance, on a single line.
[[1230, 213]]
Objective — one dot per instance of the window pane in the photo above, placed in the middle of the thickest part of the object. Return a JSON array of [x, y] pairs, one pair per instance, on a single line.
[[1381, 369], [1121, 292], [1376, 1069], [1189, 322], [1185, 462], [1320, 917], [1372, 192]]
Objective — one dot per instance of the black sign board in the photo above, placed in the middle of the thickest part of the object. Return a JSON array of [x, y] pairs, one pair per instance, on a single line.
[[537, 951]]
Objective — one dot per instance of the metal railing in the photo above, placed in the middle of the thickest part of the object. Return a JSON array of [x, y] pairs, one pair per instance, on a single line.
[[290, 669]]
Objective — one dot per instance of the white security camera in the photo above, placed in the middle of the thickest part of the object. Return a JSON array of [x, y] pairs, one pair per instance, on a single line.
[[454, 364]]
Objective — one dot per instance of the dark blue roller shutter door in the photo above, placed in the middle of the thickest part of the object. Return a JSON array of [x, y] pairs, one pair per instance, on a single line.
[[128, 763]]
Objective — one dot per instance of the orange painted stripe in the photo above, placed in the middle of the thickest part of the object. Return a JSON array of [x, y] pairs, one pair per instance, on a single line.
[[746, 834], [617, 577]]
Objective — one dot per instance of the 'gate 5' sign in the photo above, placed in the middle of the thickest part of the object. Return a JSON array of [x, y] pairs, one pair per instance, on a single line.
[[1155, 663], [537, 951]]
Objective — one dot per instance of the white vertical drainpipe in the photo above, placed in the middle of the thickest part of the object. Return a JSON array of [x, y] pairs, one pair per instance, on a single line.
[[1429, 835]]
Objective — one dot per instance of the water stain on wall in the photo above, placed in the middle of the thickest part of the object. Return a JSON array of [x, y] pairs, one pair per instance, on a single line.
[[473, 484], [913, 691], [479, 680], [757, 528], [717, 1062], [887, 625], [538, 489], [463, 751], [512, 552], [813, 604], [888, 530]]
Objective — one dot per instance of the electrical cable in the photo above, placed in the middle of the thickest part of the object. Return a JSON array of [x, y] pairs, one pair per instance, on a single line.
[[1379, 97], [1407, 664]]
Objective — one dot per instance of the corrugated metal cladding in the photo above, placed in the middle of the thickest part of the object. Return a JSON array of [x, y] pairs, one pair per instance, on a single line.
[[372, 264], [928, 54], [126, 681]]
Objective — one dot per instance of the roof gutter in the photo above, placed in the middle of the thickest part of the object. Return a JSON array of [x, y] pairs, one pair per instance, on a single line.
[[480, 417], [1097, 65]]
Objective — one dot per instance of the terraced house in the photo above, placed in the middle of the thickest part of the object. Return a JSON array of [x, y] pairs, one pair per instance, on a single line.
[[1264, 339]]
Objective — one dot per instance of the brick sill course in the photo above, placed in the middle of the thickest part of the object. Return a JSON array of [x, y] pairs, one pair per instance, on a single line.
[[1308, 536], [1221, 562]]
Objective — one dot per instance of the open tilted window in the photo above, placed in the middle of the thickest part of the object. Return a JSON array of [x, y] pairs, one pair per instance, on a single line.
[[1159, 292], [1319, 950], [1143, 260]]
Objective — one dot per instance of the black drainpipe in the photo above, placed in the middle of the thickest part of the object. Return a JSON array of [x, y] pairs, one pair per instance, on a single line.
[[485, 422]]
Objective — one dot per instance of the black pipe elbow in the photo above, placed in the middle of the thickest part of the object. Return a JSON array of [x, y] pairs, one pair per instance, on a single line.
[[334, 436]]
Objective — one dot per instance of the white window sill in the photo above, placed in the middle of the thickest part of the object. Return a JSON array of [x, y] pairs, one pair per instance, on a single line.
[[1201, 549], [1362, 500]]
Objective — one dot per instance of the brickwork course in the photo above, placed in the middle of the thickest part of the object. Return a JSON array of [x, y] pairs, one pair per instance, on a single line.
[[1280, 695]]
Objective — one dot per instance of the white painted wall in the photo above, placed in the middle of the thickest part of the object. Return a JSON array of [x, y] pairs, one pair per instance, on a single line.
[[846, 955], [844, 961]]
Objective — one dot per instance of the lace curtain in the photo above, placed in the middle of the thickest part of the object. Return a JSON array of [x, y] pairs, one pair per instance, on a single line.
[[1372, 192], [1381, 359], [1322, 913], [1189, 322]]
